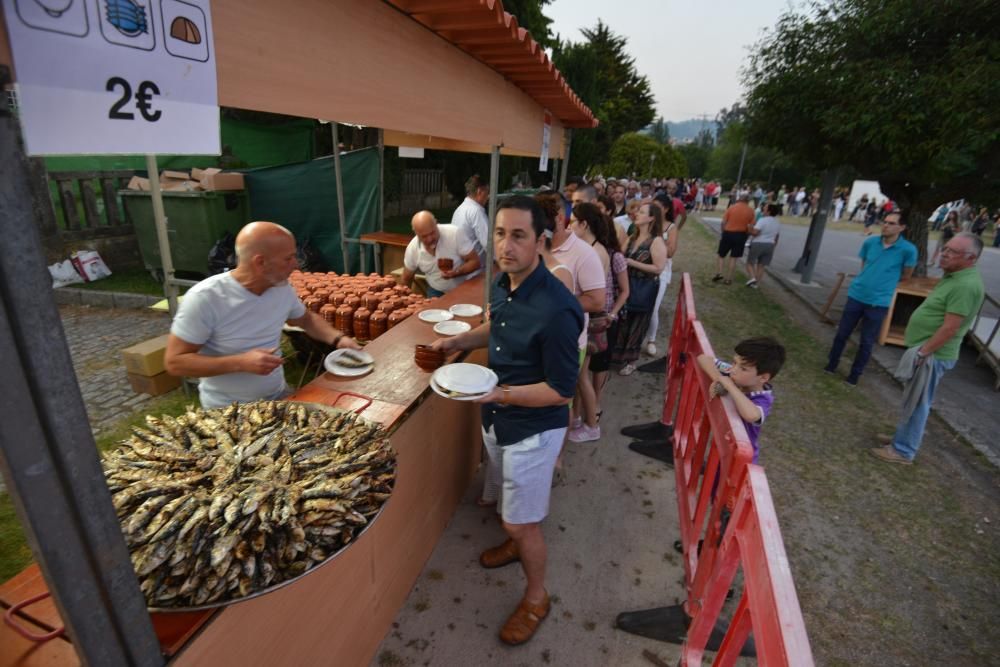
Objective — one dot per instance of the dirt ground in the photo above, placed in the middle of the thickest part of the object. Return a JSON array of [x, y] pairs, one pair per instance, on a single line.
[[893, 565]]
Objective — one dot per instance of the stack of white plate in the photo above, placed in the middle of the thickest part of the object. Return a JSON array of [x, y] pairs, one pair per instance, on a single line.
[[463, 382], [465, 310]]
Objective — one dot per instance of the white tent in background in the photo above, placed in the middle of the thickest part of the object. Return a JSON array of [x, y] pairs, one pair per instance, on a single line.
[[861, 188]]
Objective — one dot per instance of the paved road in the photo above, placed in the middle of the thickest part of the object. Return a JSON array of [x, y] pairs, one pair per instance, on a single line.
[[965, 400]]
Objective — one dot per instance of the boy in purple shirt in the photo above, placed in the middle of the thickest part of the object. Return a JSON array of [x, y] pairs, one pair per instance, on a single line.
[[748, 381]]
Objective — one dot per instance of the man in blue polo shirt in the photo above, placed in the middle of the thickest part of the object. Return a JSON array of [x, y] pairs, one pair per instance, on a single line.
[[885, 261], [532, 342]]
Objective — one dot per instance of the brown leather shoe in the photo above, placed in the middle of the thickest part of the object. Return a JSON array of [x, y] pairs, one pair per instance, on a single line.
[[890, 455], [505, 554], [524, 622]]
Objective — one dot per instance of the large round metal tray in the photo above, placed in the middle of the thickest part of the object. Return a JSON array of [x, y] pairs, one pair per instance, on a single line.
[[286, 582]]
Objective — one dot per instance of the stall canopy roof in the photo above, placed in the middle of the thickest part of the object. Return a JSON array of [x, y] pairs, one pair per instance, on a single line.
[[485, 31]]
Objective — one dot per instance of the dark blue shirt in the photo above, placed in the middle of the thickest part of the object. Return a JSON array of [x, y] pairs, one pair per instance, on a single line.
[[534, 334]]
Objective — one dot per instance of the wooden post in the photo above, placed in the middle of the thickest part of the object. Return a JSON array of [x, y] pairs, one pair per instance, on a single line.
[[162, 239]]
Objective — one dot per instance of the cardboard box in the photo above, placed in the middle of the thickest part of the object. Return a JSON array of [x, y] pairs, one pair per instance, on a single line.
[[222, 181], [155, 385], [173, 185], [146, 358], [138, 183], [196, 173], [180, 175]]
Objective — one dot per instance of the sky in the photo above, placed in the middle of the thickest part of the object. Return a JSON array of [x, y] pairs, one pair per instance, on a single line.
[[691, 51]]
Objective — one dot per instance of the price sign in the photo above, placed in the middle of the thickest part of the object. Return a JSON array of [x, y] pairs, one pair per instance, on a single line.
[[543, 161], [115, 76]]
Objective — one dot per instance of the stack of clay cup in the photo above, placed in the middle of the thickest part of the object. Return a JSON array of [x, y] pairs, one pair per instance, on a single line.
[[364, 306]]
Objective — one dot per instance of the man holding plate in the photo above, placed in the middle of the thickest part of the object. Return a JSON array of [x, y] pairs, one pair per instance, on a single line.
[[532, 338]]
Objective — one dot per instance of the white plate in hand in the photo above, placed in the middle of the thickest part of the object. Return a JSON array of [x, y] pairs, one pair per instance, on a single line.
[[466, 378], [331, 363], [465, 310], [455, 396], [451, 327], [435, 315]]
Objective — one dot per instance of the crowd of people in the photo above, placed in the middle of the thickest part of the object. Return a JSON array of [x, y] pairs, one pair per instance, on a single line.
[[582, 273]]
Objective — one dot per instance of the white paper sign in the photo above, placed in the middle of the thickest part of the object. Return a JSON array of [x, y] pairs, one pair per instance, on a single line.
[[543, 161], [411, 152], [115, 76]]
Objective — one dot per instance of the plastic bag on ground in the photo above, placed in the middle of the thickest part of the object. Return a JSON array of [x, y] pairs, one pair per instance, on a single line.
[[64, 273], [90, 265]]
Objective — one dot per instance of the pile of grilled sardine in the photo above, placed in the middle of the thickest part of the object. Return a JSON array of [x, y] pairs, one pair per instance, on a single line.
[[218, 504]]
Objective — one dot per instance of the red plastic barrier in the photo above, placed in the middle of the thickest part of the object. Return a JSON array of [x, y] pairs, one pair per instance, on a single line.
[[716, 481], [768, 606], [711, 448], [684, 316]]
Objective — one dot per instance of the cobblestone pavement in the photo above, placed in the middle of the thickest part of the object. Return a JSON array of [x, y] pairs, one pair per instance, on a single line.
[[96, 337]]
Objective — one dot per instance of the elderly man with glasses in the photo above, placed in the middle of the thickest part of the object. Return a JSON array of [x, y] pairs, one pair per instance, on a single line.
[[885, 261], [933, 337]]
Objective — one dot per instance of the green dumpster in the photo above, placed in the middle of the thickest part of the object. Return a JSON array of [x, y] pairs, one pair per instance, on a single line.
[[195, 221]]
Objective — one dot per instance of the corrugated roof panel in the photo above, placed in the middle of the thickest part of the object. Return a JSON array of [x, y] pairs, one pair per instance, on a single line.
[[485, 31]]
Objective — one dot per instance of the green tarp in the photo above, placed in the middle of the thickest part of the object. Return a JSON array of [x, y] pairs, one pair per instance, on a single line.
[[244, 144], [303, 198]]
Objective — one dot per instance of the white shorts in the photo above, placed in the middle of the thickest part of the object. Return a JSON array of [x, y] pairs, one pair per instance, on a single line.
[[521, 474]]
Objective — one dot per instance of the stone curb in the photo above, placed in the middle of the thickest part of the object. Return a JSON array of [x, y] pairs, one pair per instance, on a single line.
[[789, 287], [81, 297]]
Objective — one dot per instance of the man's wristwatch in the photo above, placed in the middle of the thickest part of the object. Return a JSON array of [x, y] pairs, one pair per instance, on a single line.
[[505, 396], [336, 341]]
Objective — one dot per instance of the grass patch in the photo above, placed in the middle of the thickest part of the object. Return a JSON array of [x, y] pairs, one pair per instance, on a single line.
[[860, 535], [14, 552], [132, 281]]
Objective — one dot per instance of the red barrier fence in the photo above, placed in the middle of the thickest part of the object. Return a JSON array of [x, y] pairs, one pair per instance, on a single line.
[[727, 523]]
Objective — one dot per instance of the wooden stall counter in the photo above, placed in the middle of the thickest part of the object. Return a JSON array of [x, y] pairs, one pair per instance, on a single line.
[[907, 298], [389, 249], [341, 611]]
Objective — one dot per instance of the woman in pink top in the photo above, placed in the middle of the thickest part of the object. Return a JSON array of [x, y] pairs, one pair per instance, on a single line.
[[593, 227]]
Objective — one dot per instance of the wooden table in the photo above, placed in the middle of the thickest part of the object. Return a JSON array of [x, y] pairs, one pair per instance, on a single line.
[[340, 613], [173, 630], [389, 250], [907, 298]]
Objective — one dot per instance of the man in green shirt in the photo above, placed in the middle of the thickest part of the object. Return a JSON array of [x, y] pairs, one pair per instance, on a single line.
[[936, 330]]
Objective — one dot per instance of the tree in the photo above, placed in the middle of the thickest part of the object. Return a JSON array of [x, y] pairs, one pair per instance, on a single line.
[[639, 155], [766, 166], [660, 131], [696, 157], [904, 92], [530, 16], [604, 76]]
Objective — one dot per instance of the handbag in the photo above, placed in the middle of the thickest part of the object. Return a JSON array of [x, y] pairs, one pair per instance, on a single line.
[[597, 332], [641, 293]]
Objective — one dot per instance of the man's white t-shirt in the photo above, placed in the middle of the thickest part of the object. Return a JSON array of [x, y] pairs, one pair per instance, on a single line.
[[471, 218], [769, 227], [452, 244], [226, 318]]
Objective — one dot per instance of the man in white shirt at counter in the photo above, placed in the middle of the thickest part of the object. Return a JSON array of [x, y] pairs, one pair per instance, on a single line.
[[471, 218], [228, 328], [442, 253]]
